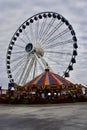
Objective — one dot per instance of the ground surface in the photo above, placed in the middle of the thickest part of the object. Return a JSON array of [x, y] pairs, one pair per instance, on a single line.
[[46, 117]]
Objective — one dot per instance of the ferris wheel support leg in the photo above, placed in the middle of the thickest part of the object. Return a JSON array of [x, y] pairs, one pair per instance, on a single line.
[[28, 71], [35, 64], [42, 65], [20, 79]]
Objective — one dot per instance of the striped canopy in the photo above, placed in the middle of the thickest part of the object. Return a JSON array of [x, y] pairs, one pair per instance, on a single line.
[[48, 78]]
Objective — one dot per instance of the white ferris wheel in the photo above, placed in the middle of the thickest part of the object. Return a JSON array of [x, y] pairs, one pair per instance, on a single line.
[[45, 38]]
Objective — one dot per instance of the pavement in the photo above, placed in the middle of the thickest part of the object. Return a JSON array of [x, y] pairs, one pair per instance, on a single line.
[[44, 117]]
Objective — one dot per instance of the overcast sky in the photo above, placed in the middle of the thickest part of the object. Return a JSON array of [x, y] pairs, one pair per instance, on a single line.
[[14, 12]]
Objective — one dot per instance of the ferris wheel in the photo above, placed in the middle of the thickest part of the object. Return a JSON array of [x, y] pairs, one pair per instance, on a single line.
[[45, 38]]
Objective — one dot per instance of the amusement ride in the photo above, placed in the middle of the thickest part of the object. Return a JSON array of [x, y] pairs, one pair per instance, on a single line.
[[45, 39]]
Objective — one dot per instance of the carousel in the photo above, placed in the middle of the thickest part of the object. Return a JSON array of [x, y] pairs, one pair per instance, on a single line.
[[46, 81], [49, 87]]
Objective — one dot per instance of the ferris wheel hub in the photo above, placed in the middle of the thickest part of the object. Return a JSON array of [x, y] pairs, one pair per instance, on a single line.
[[34, 50], [39, 52], [29, 47]]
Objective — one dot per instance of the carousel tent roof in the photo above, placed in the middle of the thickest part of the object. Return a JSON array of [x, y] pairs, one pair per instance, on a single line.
[[48, 78]]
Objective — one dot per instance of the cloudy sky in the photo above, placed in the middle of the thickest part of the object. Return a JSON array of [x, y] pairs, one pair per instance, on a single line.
[[14, 12]]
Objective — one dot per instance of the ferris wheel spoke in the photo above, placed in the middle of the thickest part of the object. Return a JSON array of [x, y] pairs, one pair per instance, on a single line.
[[18, 64], [18, 52], [19, 46], [16, 76], [54, 61], [27, 36], [18, 58], [31, 32], [19, 67], [23, 41], [52, 32], [42, 28], [45, 32], [57, 36], [17, 71], [36, 32], [49, 41], [58, 44], [56, 52]]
